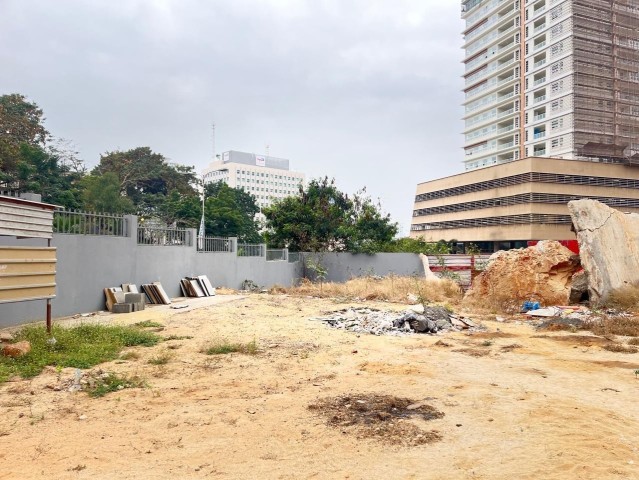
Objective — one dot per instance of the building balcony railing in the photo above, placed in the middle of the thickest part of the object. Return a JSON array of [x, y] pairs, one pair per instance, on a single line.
[[539, 135], [474, 47], [539, 81], [540, 99], [539, 11], [540, 27], [540, 45], [540, 63], [539, 153], [541, 116], [490, 84]]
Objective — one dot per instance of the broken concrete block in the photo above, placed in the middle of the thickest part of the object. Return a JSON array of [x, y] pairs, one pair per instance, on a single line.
[[138, 306], [122, 308], [542, 272], [133, 298], [608, 247], [427, 271]]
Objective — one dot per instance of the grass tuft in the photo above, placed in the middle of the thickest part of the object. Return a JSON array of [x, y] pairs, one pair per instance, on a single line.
[[224, 347], [82, 346], [148, 324], [619, 348], [177, 337], [624, 326], [160, 359], [112, 383]]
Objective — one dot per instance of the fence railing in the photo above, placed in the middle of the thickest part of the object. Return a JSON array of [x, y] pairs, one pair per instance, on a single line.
[[165, 237], [87, 223], [248, 250], [294, 257], [274, 255], [214, 244]]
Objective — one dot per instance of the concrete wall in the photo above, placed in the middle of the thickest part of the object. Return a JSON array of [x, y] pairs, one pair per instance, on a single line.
[[344, 266], [88, 264]]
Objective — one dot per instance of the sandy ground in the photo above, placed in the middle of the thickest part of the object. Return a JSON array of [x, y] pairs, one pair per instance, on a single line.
[[553, 409]]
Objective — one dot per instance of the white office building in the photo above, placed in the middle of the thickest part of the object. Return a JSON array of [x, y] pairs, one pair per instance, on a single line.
[[551, 78], [266, 178]]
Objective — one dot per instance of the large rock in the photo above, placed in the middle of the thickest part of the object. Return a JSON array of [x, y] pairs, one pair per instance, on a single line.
[[541, 273], [427, 271], [608, 247]]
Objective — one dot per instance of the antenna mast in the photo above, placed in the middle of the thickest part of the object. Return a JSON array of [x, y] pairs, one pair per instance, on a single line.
[[213, 128]]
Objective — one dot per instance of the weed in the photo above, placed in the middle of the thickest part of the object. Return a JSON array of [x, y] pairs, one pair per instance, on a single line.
[[113, 382], [177, 337], [148, 324], [160, 359], [636, 373], [82, 346], [486, 343], [619, 348], [224, 347], [626, 298], [130, 355], [77, 468]]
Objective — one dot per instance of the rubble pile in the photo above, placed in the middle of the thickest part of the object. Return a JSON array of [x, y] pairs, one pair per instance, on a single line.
[[542, 272], [377, 322]]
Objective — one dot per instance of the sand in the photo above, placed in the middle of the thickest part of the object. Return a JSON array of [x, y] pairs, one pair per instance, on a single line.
[[545, 410]]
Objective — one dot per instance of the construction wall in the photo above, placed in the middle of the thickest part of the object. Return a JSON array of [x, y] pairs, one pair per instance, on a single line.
[[87, 264], [341, 267]]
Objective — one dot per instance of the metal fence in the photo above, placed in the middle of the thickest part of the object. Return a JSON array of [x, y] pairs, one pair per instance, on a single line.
[[275, 255], [214, 244], [294, 257], [86, 223], [165, 237], [460, 268], [247, 250]]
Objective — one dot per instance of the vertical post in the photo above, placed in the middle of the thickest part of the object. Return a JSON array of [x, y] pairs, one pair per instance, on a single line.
[[264, 253], [233, 245], [49, 324], [285, 254]]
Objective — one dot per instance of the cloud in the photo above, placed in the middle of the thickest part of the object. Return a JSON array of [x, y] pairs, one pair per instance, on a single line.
[[366, 91]]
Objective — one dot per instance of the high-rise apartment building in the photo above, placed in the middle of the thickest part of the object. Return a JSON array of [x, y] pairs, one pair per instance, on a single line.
[[266, 178], [551, 115], [551, 78]]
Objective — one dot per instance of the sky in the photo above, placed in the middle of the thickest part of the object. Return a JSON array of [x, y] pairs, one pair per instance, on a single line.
[[364, 91]]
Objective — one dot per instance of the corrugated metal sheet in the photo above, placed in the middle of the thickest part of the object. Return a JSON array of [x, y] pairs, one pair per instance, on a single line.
[[23, 218], [27, 273]]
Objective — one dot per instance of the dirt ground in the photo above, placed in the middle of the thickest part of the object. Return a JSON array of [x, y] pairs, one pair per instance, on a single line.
[[516, 403]]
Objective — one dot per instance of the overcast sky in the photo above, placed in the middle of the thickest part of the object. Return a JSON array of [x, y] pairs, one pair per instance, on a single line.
[[366, 91]]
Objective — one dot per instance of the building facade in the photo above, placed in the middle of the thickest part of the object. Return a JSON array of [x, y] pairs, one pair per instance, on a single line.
[[551, 78], [508, 205], [266, 178]]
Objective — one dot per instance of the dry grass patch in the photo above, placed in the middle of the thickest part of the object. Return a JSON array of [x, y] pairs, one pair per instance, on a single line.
[[626, 298], [473, 352], [625, 326], [223, 347], [391, 289], [381, 417], [619, 348]]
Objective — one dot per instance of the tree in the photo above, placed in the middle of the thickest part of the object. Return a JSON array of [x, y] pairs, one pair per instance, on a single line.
[[322, 218], [417, 245], [146, 178], [102, 194], [230, 212], [21, 123]]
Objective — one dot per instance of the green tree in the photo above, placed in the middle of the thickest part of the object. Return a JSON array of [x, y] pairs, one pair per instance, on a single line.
[[101, 193], [230, 212], [322, 218], [417, 245], [146, 178], [21, 123], [185, 211]]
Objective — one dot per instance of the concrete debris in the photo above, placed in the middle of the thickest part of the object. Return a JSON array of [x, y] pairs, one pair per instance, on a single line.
[[542, 272], [427, 271], [15, 350], [608, 246], [377, 322]]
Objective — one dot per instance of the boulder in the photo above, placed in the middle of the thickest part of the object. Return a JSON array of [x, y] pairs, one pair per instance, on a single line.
[[427, 271], [15, 350], [608, 246], [579, 288], [542, 272]]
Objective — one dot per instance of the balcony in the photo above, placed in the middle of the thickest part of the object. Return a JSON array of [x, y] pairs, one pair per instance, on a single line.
[[539, 153], [539, 117], [505, 129], [539, 11], [541, 98], [539, 135], [540, 45], [540, 63], [492, 83], [506, 113], [539, 81], [540, 27]]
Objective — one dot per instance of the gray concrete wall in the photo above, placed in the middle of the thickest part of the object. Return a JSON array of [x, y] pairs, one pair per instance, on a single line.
[[88, 264], [344, 266]]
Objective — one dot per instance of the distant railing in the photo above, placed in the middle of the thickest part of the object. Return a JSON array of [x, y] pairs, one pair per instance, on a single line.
[[294, 257], [247, 250], [165, 237], [86, 223], [274, 255], [214, 244]]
